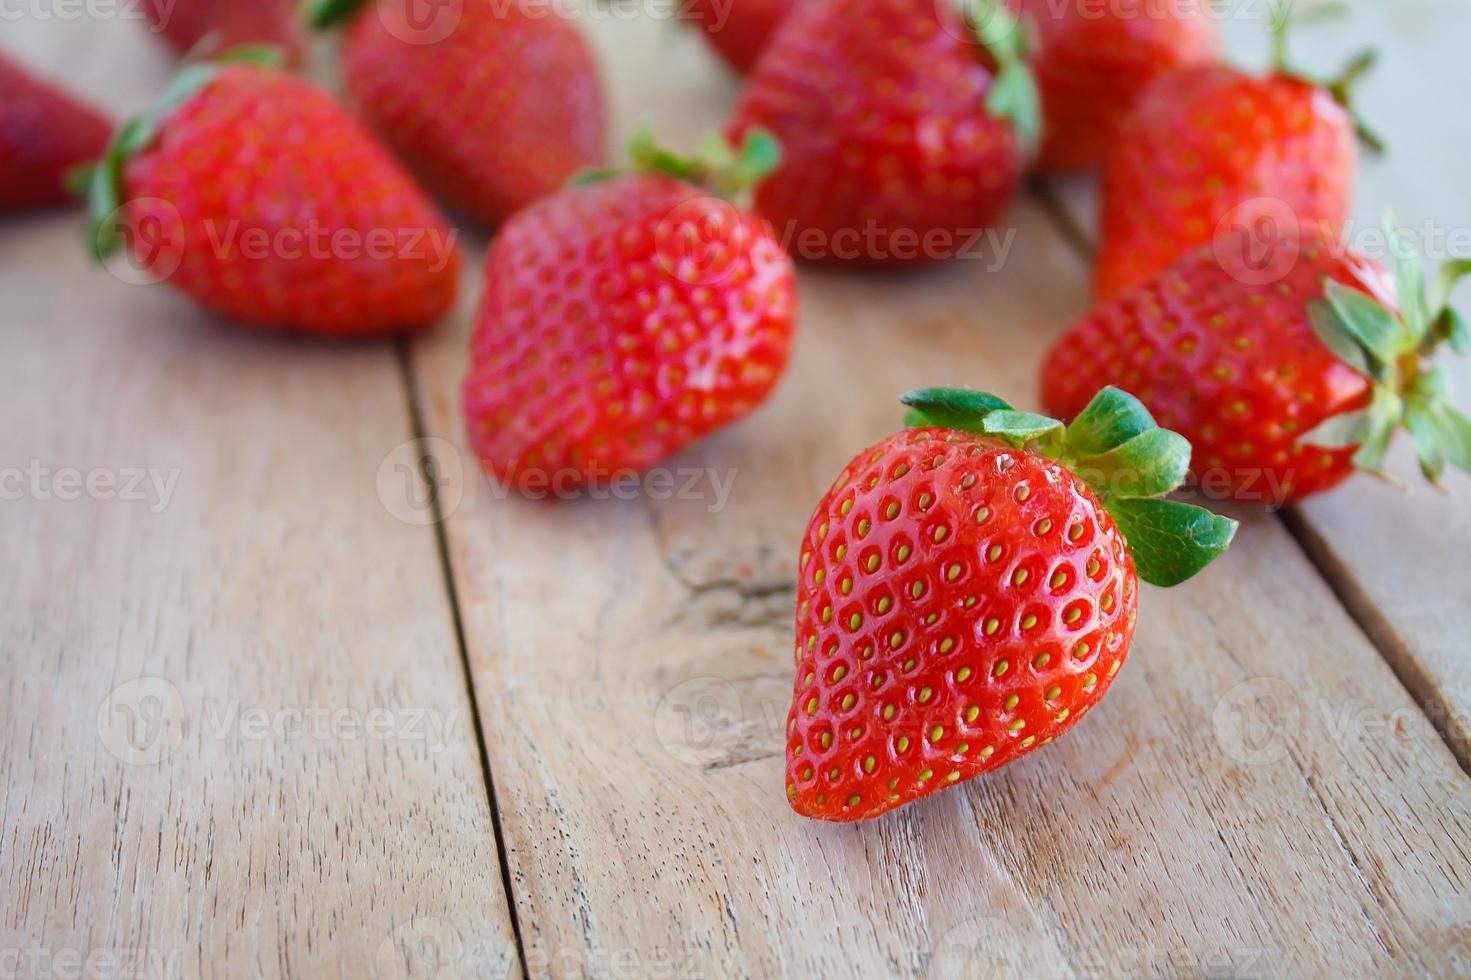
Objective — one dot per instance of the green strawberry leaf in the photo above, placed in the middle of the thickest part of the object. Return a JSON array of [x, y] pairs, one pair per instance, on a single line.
[[1376, 329], [1409, 277], [1385, 413], [1337, 338], [1455, 435], [1111, 419], [1339, 431], [1171, 541], [1020, 428], [951, 408], [1014, 94], [1149, 465], [1451, 273], [1425, 434], [322, 14], [1451, 327]]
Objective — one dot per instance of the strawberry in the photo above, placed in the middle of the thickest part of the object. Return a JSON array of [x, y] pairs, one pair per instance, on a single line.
[[258, 196], [967, 592], [1285, 373], [44, 132], [205, 27], [739, 29], [494, 105], [627, 317], [1210, 143], [905, 128], [1093, 61]]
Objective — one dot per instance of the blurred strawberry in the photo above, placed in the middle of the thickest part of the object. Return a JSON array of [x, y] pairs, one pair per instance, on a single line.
[[1213, 149], [495, 106], [905, 126], [205, 27], [257, 195], [1093, 61], [44, 132], [627, 317], [740, 29], [1286, 374]]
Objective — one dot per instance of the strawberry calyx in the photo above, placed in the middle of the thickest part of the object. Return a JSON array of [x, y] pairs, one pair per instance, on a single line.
[[1394, 350], [105, 177], [717, 165], [1117, 449], [1287, 16], [324, 14], [1014, 94]]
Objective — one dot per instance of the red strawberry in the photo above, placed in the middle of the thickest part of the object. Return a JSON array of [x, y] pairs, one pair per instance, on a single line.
[[1211, 143], [1093, 61], [740, 29], [494, 105], [1284, 374], [904, 132], [203, 27], [257, 195], [44, 132], [965, 597], [626, 318]]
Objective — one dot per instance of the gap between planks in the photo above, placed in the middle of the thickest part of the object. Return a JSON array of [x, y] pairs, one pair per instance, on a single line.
[[1356, 603], [404, 361]]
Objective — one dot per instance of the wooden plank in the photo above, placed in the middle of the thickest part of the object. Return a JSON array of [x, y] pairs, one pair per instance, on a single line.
[[1397, 560], [1257, 796], [235, 736]]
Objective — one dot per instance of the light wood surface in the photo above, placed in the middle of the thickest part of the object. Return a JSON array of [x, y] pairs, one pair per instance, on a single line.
[[235, 733], [1259, 795]]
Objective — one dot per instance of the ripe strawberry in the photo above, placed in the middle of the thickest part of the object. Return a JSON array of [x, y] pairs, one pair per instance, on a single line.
[[626, 318], [967, 592], [904, 128], [495, 106], [258, 196], [1093, 61], [1284, 375], [740, 29], [205, 27], [1211, 142], [44, 132]]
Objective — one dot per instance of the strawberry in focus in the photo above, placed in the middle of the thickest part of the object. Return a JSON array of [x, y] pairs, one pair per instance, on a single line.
[[258, 196], [1093, 62], [627, 317], [1210, 145], [207, 27], [739, 30], [1285, 375], [905, 127], [967, 592], [495, 107], [44, 133]]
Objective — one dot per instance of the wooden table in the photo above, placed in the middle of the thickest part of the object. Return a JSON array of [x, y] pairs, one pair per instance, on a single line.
[[268, 709]]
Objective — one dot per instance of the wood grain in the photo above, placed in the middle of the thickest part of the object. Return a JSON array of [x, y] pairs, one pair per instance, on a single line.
[[1258, 796], [1397, 560], [235, 736]]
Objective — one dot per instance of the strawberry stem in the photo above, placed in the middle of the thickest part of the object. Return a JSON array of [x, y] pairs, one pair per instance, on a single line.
[[1287, 16], [1116, 448], [1393, 348]]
